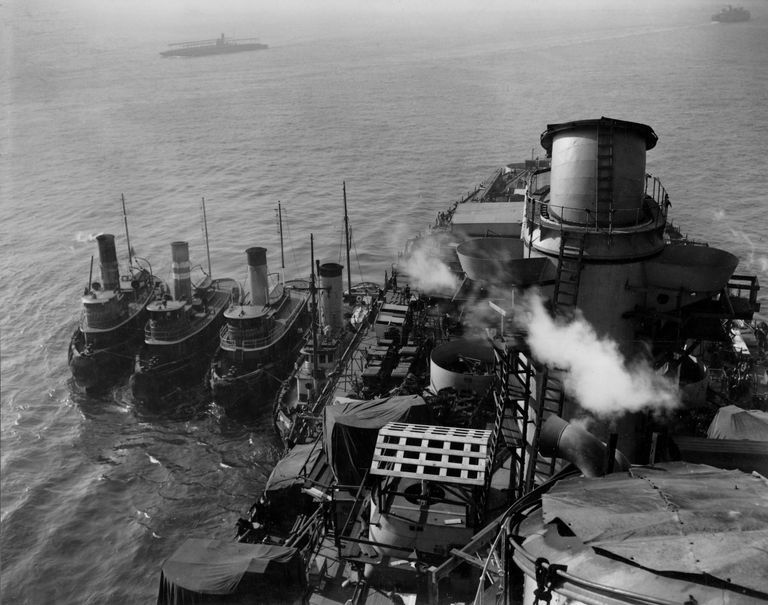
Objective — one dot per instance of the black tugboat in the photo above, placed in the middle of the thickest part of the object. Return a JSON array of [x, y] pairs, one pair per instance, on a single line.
[[182, 331], [260, 340], [325, 346], [112, 320]]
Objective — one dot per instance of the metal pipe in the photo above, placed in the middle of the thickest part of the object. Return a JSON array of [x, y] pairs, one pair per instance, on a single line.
[[258, 272], [578, 446], [181, 271], [110, 277]]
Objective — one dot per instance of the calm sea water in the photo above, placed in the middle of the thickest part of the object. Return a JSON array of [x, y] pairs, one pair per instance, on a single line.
[[410, 106]]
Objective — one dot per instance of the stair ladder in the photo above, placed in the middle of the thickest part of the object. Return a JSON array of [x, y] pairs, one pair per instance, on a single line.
[[550, 402], [568, 274], [510, 397], [604, 193], [514, 426], [551, 396]]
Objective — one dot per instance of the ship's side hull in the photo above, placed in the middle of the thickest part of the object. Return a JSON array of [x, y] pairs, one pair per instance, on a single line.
[[239, 383], [163, 368], [155, 378], [244, 376], [97, 363], [201, 51]]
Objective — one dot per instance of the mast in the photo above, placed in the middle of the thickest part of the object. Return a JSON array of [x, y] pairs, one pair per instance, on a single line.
[[127, 237], [280, 229], [313, 292], [346, 232], [205, 231]]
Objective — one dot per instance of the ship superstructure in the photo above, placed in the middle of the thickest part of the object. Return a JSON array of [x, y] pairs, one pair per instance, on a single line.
[[216, 46], [555, 297]]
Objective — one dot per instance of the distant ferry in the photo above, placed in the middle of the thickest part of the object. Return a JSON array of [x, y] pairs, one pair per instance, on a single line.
[[731, 15], [216, 46]]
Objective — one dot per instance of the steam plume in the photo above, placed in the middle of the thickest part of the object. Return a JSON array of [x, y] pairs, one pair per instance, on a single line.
[[426, 271], [597, 376]]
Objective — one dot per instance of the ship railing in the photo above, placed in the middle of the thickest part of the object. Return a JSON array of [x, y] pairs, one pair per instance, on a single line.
[[739, 285], [173, 333], [652, 212], [255, 339], [105, 316], [242, 41], [491, 548]]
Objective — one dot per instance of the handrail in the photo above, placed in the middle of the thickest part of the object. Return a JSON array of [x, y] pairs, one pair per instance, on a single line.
[[172, 333], [277, 329], [127, 311], [652, 211]]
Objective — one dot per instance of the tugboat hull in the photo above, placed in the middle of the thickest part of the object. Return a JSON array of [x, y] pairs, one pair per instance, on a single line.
[[96, 369]]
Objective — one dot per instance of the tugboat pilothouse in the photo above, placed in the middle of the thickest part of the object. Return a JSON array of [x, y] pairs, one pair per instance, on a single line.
[[260, 340]]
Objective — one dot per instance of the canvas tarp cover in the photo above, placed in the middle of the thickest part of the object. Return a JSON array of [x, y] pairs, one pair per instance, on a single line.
[[733, 422], [674, 517], [350, 431], [292, 468], [214, 571]]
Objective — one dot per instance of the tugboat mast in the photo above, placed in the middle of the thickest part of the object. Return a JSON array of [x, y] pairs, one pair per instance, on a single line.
[[313, 293], [205, 230], [280, 229], [346, 232], [127, 237]]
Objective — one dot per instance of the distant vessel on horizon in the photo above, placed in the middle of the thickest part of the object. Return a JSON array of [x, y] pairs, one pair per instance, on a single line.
[[215, 46], [731, 15]]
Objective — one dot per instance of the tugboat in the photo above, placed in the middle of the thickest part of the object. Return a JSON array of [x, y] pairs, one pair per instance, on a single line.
[[260, 340], [182, 331], [730, 14], [324, 349], [471, 482], [114, 312]]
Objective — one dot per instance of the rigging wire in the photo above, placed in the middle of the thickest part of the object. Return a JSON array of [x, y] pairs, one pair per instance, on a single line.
[[354, 247], [287, 224]]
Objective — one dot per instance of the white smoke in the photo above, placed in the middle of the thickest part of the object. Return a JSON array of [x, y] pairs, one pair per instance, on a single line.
[[427, 272], [597, 375]]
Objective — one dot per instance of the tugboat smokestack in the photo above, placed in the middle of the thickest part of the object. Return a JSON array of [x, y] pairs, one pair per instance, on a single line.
[[257, 271], [110, 277], [180, 271], [331, 295]]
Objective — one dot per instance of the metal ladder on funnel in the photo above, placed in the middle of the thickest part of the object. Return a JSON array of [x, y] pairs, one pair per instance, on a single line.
[[550, 395], [604, 176]]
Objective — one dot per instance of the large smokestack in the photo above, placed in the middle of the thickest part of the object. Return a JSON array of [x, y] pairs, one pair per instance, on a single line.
[[180, 271], [331, 295], [110, 276], [598, 171], [578, 446], [257, 271]]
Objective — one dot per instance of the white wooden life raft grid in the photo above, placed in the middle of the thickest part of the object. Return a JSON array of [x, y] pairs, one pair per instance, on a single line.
[[432, 453]]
